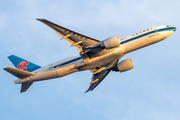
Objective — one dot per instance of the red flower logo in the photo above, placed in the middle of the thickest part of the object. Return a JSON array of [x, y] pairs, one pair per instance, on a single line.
[[23, 65]]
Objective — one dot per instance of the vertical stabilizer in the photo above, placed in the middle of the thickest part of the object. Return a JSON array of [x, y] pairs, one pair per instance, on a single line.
[[23, 64]]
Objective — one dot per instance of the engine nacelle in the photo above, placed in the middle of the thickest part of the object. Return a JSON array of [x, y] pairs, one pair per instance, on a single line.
[[111, 42], [124, 65]]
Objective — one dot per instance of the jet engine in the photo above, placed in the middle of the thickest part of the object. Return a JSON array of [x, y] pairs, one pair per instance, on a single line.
[[111, 42], [124, 65]]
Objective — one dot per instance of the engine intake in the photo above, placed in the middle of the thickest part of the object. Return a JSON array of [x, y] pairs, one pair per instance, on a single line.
[[111, 42], [124, 65]]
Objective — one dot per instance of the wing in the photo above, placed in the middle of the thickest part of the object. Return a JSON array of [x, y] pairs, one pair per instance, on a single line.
[[97, 78], [77, 40], [100, 74]]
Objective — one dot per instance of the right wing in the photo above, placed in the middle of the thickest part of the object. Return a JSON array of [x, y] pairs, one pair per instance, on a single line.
[[100, 74], [76, 39], [97, 78]]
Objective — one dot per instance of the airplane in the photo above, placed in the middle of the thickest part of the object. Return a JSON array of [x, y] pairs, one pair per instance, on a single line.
[[100, 57]]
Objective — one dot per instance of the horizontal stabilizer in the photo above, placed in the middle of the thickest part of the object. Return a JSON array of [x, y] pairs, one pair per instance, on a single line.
[[18, 73], [25, 86]]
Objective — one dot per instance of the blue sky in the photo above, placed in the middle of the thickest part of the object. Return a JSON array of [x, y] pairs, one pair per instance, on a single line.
[[149, 91]]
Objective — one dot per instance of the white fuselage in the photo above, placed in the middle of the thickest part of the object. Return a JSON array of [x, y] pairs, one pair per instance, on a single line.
[[127, 44]]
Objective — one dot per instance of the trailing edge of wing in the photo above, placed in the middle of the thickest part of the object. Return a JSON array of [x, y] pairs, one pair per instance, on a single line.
[[76, 39]]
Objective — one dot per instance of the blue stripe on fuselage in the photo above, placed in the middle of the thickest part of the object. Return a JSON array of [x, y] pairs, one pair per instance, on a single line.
[[67, 62], [151, 32], [123, 42]]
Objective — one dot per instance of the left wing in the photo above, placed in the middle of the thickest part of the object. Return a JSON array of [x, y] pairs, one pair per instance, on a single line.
[[100, 74], [76, 39]]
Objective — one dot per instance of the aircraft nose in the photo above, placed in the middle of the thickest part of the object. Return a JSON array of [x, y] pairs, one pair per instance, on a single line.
[[170, 31], [174, 28]]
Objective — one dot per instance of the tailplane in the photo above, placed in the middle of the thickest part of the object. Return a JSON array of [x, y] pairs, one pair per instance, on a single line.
[[25, 86], [23, 64], [20, 74]]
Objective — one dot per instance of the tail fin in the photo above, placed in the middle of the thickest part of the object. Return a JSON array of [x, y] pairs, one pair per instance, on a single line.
[[23, 64]]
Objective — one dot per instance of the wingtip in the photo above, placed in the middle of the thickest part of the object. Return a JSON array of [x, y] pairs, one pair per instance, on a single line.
[[40, 19], [87, 91], [22, 91]]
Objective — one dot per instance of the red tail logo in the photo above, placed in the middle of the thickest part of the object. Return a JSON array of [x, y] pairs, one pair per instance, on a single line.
[[23, 65]]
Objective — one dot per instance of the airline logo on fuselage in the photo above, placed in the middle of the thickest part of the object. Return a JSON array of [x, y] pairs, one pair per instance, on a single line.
[[23, 65]]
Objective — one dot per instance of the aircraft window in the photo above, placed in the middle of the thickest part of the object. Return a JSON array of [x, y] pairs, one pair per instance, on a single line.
[[167, 26], [136, 33], [147, 29], [143, 30]]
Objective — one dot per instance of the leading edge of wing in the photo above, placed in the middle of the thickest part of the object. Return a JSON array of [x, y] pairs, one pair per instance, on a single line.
[[47, 22]]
